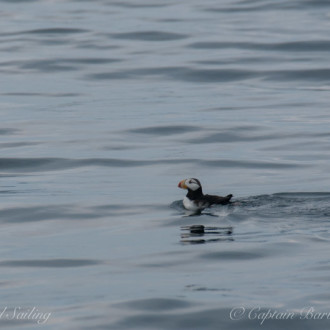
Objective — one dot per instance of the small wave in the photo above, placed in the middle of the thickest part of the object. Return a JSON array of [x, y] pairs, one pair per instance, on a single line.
[[71, 212], [179, 73], [56, 164], [160, 304], [51, 164], [49, 31], [165, 130], [6, 145], [177, 205], [320, 74], [46, 212], [229, 136], [24, 94], [55, 65], [313, 206], [18, 1], [233, 255], [240, 134], [299, 46], [51, 263], [7, 131], [225, 163], [193, 75], [264, 6], [138, 5], [58, 30], [149, 36]]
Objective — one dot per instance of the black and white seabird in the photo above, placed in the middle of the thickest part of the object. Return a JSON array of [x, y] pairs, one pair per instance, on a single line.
[[195, 200]]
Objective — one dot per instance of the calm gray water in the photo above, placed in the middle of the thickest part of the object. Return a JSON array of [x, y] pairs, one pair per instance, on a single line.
[[106, 106]]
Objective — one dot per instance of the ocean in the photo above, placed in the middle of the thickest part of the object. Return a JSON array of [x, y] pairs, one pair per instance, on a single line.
[[106, 106]]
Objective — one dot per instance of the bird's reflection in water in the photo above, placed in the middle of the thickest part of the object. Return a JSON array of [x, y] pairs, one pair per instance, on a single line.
[[199, 234]]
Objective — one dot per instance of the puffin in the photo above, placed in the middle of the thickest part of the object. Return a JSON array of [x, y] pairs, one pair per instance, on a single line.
[[195, 200]]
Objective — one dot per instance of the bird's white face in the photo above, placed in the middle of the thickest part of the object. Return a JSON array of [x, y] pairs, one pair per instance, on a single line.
[[192, 184]]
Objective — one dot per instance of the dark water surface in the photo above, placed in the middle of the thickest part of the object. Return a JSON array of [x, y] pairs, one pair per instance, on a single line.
[[106, 106]]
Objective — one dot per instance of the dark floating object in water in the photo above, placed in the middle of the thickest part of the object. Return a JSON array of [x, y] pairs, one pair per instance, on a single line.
[[195, 200], [198, 231]]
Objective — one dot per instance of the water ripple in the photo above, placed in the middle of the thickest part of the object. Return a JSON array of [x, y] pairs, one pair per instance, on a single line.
[[166, 130], [149, 36], [46, 212], [299, 46], [237, 135], [55, 65], [51, 263], [321, 74], [189, 74], [53, 164], [179, 73], [37, 213], [5, 131], [233, 255], [156, 304], [138, 5], [265, 6], [47, 31]]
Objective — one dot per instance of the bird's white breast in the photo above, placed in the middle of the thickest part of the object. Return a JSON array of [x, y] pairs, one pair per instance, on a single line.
[[191, 205]]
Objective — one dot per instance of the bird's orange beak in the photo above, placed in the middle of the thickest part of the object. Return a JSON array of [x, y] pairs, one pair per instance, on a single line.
[[182, 184]]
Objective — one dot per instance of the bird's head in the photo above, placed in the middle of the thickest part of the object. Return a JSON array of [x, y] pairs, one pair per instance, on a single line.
[[190, 184]]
